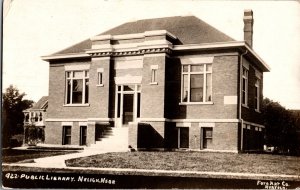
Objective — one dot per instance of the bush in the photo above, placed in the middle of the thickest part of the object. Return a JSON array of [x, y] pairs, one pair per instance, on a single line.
[[34, 134]]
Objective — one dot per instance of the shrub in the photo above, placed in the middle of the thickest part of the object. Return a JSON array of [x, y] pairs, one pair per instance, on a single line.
[[34, 134]]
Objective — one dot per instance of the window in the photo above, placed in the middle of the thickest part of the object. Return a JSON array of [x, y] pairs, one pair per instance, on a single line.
[[100, 76], [36, 117], [66, 135], [245, 87], [77, 87], [207, 137], [257, 93], [154, 69], [196, 83], [26, 117], [183, 137], [153, 75], [41, 116], [83, 134]]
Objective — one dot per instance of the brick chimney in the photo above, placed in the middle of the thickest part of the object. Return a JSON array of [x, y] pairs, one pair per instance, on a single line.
[[248, 26]]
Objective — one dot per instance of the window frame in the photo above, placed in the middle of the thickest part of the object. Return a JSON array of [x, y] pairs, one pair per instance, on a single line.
[[203, 73], [82, 136], [180, 134], [257, 95], [71, 78], [100, 73], [153, 73], [65, 136], [245, 92], [204, 137]]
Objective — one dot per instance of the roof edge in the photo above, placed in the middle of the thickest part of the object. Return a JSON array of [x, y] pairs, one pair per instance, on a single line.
[[133, 36], [64, 56], [241, 45], [224, 45]]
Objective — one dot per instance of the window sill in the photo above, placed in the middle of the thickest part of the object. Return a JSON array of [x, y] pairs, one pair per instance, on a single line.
[[76, 105], [153, 83], [245, 106], [196, 103], [100, 85]]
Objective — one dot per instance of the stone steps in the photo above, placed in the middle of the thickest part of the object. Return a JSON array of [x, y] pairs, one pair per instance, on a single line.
[[115, 140]]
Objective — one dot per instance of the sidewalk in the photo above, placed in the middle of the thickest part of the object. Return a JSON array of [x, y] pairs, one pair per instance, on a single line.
[[59, 160]]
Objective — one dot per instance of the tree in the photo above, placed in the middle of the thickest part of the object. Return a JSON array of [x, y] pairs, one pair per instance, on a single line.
[[12, 114], [280, 126]]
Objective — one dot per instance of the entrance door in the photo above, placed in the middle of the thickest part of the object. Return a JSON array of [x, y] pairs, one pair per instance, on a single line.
[[82, 135], [127, 108], [127, 104]]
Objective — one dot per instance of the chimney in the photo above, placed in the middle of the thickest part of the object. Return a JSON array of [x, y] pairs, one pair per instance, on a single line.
[[248, 26]]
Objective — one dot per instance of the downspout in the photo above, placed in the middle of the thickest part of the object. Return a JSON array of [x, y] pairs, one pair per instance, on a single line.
[[240, 98]]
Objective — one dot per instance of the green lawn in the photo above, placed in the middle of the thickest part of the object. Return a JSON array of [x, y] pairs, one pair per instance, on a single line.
[[14, 155], [194, 161]]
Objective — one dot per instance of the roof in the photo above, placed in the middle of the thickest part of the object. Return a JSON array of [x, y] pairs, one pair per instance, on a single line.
[[188, 29], [41, 104]]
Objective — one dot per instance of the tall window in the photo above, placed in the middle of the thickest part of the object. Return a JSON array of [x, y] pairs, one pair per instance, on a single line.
[[196, 83], [153, 75], [100, 78], [257, 91], [183, 137], [100, 72], [154, 69], [66, 135], [207, 137], [77, 87], [245, 87]]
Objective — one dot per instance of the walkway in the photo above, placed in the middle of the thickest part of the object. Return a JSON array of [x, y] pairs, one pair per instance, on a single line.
[[59, 160]]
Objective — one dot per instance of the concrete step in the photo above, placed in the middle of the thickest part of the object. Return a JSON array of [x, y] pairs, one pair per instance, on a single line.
[[113, 140]]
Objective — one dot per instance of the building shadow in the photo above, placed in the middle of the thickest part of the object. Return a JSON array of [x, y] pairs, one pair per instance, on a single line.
[[148, 137]]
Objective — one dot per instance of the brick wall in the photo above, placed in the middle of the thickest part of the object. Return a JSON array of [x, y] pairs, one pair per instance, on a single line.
[[90, 139], [98, 96], [132, 135], [53, 133], [225, 136], [224, 83], [153, 96], [249, 113], [194, 141]]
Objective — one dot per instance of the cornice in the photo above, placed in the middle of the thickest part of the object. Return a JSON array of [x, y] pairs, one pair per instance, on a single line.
[[166, 50]]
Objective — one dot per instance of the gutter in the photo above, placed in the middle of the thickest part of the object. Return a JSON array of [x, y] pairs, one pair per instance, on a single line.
[[240, 97]]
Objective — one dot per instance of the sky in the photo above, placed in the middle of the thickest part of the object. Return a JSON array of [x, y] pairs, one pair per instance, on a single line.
[[34, 28]]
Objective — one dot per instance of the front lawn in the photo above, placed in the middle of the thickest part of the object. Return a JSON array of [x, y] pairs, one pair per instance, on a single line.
[[15, 155], [193, 161]]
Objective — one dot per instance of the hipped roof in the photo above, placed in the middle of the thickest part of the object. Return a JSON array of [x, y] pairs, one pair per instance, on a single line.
[[188, 30]]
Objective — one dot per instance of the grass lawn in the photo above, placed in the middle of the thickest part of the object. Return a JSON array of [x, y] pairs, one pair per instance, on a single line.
[[14, 155], [194, 161]]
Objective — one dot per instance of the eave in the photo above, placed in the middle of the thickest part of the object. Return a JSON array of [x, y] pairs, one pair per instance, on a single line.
[[240, 46], [65, 56]]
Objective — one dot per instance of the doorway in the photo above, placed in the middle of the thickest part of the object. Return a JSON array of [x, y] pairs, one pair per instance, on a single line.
[[128, 98], [127, 108]]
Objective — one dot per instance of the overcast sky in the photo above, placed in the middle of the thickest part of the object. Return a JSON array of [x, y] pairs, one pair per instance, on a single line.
[[34, 28]]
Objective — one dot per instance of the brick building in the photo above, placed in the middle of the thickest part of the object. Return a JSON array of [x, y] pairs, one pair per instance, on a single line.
[[165, 83]]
